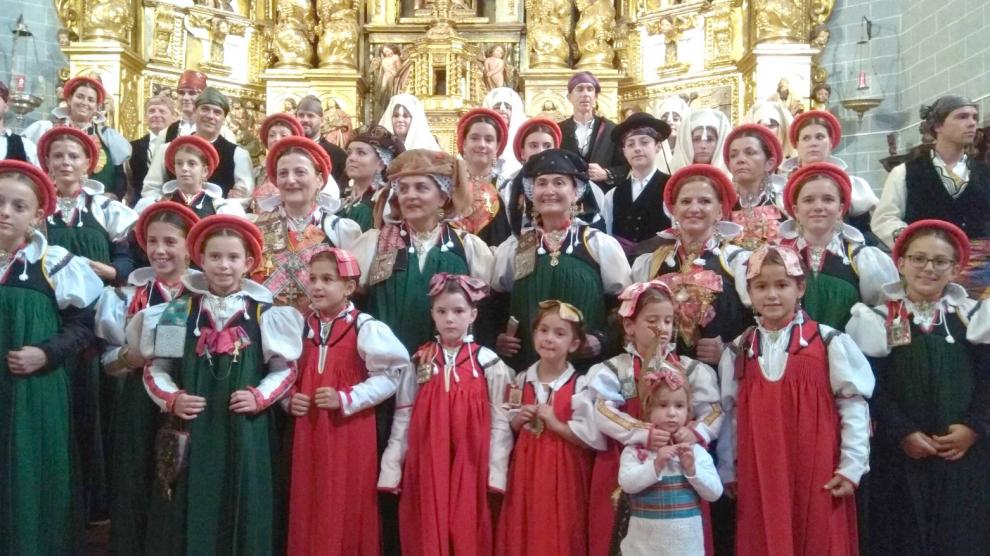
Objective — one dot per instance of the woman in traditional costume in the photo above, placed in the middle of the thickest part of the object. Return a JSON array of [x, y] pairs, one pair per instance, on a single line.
[[844, 271], [160, 232], [482, 136], [221, 356], [299, 221], [85, 97], [560, 257], [275, 128], [752, 154], [404, 116], [509, 105], [930, 474], [45, 320], [701, 139], [369, 152], [675, 112], [707, 270], [95, 228]]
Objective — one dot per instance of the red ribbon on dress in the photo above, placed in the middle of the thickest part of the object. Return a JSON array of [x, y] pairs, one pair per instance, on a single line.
[[222, 342]]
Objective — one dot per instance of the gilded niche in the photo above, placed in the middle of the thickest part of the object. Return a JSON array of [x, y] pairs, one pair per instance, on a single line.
[[594, 32]]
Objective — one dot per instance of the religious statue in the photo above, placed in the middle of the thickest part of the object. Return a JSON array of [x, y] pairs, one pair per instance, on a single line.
[[549, 23], [338, 33], [385, 70], [778, 20], [218, 36], [337, 125], [289, 105], [293, 38], [593, 33], [784, 98], [820, 94], [496, 71]]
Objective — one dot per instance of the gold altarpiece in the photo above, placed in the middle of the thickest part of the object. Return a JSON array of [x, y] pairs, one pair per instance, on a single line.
[[449, 53]]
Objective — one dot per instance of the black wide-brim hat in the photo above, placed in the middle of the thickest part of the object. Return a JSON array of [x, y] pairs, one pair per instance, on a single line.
[[637, 121]]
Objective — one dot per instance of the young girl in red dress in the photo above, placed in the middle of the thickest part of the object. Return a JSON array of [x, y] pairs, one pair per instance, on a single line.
[[545, 509], [450, 438], [794, 393], [350, 363]]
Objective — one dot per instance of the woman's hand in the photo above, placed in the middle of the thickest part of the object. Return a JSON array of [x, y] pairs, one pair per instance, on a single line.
[[242, 401], [26, 360], [507, 346], [918, 445], [187, 406], [954, 445]]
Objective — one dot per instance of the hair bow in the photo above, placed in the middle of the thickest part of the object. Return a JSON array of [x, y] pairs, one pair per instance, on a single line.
[[565, 310], [651, 381], [474, 288], [792, 261], [630, 296]]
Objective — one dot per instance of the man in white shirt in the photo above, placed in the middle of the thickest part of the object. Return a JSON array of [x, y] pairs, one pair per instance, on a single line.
[[234, 174], [940, 181], [12, 145], [159, 113]]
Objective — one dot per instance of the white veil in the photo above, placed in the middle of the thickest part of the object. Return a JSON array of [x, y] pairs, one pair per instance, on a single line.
[[706, 117], [419, 135], [508, 164]]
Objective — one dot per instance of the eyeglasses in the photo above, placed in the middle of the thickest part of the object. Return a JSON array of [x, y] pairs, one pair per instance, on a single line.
[[940, 264]]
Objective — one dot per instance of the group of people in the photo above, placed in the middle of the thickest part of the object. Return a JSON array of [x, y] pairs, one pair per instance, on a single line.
[[663, 336]]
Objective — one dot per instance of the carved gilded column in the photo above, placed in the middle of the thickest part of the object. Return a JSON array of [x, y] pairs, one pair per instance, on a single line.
[[295, 25], [338, 33], [548, 24], [594, 33]]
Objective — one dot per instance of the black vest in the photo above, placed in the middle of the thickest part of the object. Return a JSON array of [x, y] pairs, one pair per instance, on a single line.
[[139, 164], [640, 219], [224, 174], [172, 132], [15, 148], [927, 197]]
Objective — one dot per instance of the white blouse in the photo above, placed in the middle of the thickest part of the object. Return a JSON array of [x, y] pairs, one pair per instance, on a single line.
[[478, 254], [113, 216], [210, 191], [74, 283]]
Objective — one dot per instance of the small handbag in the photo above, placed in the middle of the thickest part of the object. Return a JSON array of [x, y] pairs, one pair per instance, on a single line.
[[171, 453]]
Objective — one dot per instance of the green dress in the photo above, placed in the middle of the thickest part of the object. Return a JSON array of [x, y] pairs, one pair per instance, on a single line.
[[37, 495], [224, 501], [831, 292], [401, 300], [930, 506], [361, 212], [575, 279], [93, 393]]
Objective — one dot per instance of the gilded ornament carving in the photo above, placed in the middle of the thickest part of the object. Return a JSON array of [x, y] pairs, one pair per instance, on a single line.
[[293, 37], [68, 13], [108, 19], [164, 34], [548, 25], [672, 28], [780, 20], [338, 33], [594, 32]]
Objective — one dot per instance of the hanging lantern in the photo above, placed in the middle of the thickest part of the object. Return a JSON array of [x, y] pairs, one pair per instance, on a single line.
[[26, 84]]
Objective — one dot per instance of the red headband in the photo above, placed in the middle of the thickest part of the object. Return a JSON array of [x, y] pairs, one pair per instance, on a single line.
[[178, 209], [44, 189], [501, 128], [71, 85], [195, 142], [282, 118], [320, 157], [630, 296], [252, 236], [806, 173], [766, 136], [959, 238], [520, 139], [831, 124], [723, 186], [55, 133], [192, 79]]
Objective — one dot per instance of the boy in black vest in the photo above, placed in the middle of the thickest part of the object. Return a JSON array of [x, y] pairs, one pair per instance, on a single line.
[[941, 181], [634, 208], [12, 145]]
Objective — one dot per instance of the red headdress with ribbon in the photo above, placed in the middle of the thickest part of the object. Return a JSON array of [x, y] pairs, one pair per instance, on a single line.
[[347, 265], [520, 139], [464, 126], [651, 382], [180, 210], [959, 239], [44, 189], [59, 131], [474, 288], [803, 119]]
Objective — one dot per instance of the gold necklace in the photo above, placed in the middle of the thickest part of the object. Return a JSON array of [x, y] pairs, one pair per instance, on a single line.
[[554, 241], [6, 257]]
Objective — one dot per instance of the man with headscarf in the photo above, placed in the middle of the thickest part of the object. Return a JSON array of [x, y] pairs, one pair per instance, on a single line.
[[589, 135], [234, 174], [309, 112], [12, 145], [940, 181]]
